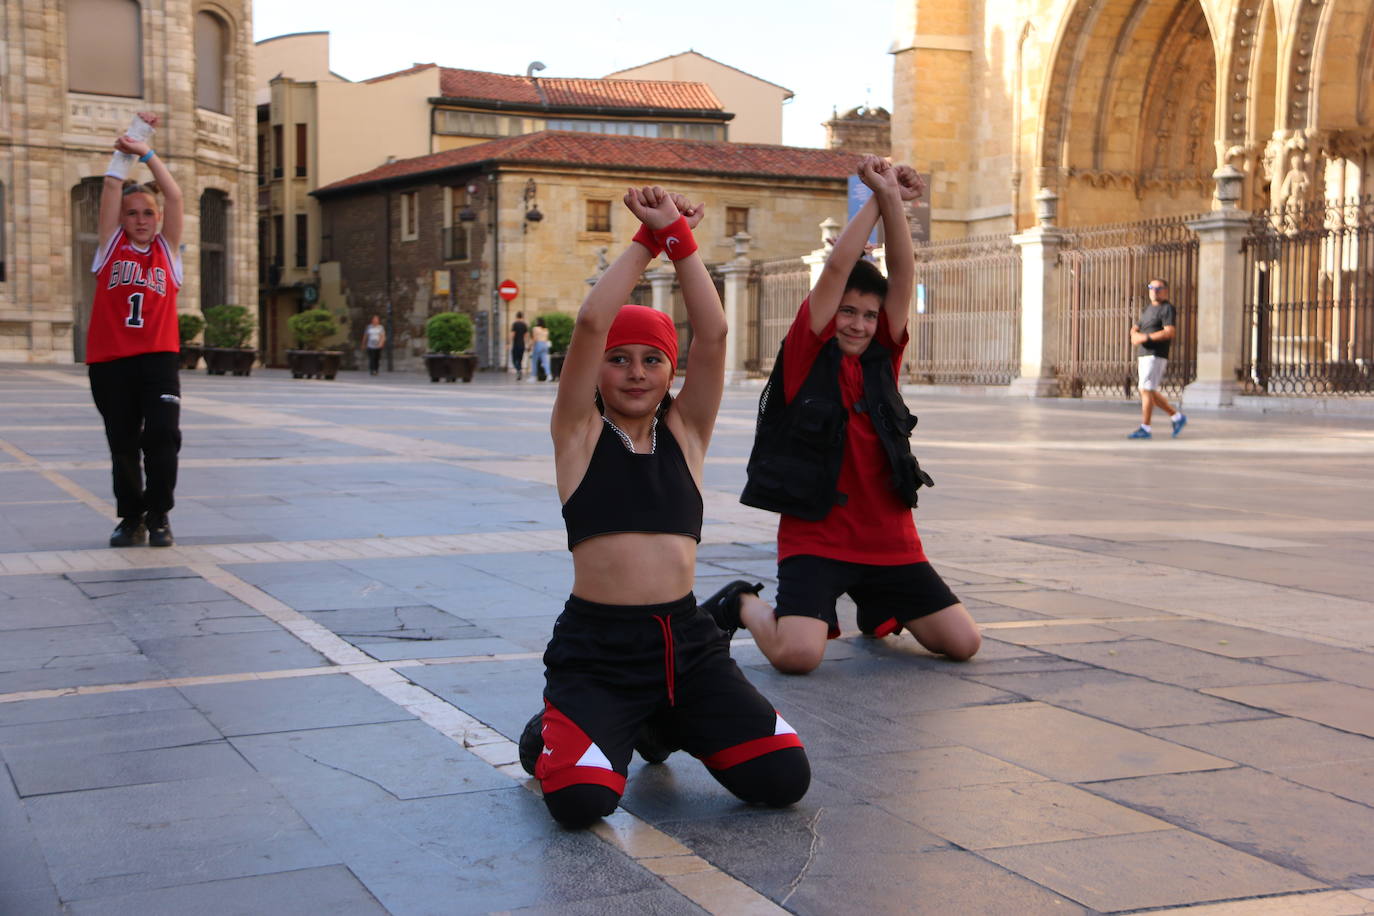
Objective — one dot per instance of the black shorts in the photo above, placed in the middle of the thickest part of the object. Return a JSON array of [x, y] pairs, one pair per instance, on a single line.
[[608, 668], [888, 597]]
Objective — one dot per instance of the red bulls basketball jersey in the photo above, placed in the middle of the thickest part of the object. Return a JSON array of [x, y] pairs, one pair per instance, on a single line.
[[135, 309]]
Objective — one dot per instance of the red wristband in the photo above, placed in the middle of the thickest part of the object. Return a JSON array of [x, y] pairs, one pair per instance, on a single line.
[[645, 237], [676, 239]]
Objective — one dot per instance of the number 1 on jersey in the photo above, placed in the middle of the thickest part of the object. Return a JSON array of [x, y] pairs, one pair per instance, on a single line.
[[135, 319]]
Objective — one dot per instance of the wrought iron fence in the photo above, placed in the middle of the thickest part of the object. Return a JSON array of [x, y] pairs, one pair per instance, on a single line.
[[965, 316], [1309, 300], [1102, 272], [782, 287]]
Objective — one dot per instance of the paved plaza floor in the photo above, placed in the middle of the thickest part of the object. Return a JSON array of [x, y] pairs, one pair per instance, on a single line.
[[308, 704]]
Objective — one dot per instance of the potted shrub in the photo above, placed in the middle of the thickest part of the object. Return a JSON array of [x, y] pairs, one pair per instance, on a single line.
[[310, 328], [560, 325], [189, 324], [450, 340], [227, 329]]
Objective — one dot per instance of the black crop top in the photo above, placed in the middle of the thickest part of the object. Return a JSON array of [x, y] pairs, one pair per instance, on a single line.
[[624, 491]]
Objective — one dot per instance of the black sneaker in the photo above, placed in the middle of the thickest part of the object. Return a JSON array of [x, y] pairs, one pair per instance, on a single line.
[[128, 533], [723, 606], [654, 743], [532, 742], [159, 531]]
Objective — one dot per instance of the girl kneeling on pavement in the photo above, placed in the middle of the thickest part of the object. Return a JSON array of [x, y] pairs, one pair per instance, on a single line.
[[631, 647]]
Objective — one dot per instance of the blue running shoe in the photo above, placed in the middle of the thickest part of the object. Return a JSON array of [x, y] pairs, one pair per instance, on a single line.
[[1140, 432], [1178, 424]]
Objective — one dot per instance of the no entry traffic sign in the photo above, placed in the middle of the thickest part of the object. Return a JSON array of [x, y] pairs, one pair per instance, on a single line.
[[508, 290]]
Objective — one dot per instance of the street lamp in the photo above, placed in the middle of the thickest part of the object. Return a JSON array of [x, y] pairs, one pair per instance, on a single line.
[[532, 215]]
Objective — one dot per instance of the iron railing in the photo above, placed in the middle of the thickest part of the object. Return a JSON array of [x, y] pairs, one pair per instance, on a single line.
[[1103, 271], [782, 287], [965, 318], [1309, 300]]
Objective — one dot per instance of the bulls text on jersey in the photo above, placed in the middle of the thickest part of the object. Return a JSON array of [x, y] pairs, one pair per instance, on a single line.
[[131, 273]]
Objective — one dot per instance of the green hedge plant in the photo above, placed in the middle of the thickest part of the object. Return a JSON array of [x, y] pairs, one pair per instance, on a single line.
[[311, 327], [560, 325], [449, 332], [189, 324], [227, 326]]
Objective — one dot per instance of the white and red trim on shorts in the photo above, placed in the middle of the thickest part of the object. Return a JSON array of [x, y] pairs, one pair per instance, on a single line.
[[784, 736]]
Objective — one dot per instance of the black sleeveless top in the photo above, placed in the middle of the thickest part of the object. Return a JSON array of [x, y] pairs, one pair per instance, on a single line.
[[624, 491]]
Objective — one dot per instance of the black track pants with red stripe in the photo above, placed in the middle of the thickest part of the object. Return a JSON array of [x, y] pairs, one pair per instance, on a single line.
[[608, 668]]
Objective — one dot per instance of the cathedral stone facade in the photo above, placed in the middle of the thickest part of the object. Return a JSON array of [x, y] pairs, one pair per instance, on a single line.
[[72, 75], [1124, 108]]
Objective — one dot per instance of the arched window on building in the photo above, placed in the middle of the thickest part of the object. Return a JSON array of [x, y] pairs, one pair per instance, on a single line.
[[214, 249], [212, 52], [105, 47], [85, 240]]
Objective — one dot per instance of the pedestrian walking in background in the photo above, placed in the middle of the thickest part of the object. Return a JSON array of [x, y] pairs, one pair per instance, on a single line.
[[374, 339], [539, 357], [516, 337], [133, 345], [1150, 336]]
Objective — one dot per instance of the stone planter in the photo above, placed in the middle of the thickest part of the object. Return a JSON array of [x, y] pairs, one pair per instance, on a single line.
[[450, 366], [313, 363], [190, 356], [234, 360]]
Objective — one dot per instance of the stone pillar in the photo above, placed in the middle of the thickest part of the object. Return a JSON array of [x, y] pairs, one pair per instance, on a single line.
[[736, 273], [661, 279], [1039, 300], [1220, 296], [816, 259]]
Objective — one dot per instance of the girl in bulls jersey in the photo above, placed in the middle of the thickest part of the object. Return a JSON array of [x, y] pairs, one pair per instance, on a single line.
[[132, 345], [632, 648]]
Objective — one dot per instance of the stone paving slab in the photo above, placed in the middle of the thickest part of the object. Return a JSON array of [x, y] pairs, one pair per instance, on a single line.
[[1061, 744], [1124, 699], [1338, 705], [1169, 664], [1293, 824], [331, 889], [1141, 649], [220, 827], [1136, 871]]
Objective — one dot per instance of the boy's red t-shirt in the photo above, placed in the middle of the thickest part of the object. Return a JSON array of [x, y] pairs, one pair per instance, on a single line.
[[874, 526], [135, 307]]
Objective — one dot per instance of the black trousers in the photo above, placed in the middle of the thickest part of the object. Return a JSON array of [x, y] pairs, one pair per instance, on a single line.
[[374, 359], [517, 356], [139, 397]]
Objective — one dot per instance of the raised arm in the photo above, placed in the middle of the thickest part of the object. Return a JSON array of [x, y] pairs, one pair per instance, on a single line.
[[904, 185], [699, 400], [573, 408], [844, 254]]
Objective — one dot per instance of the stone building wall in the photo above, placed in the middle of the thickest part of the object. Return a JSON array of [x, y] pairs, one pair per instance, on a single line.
[[51, 139], [1124, 109], [551, 260]]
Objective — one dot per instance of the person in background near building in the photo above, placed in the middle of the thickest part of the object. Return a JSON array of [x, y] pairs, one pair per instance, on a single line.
[[132, 344], [516, 337], [1150, 336], [631, 646], [832, 455], [539, 357], [374, 339]]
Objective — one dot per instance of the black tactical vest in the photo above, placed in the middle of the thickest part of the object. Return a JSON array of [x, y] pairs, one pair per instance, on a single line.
[[794, 467]]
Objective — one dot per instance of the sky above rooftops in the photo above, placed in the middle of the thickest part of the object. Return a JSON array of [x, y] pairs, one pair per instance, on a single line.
[[831, 54]]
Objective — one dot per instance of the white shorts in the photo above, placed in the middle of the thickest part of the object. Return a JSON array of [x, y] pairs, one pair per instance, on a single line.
[[1151, 370]]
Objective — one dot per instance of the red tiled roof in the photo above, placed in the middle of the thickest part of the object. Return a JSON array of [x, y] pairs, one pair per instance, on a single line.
[[636, 154], [672, 95]]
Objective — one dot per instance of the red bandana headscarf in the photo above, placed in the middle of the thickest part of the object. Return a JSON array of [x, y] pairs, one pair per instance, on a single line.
[[638, 324]]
